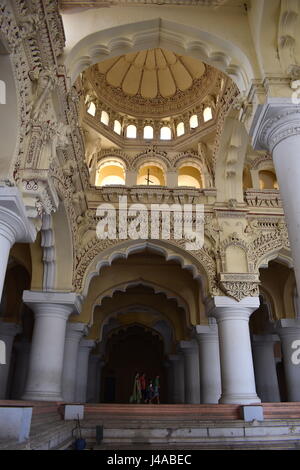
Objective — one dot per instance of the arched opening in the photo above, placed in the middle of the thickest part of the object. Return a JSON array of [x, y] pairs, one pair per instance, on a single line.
[[109, 173], [180, 129], [267, 180], [207, 114], [104, 118], [91, 109], [151, 175], [194, 121], [165, 133], [131, 349], [117, 127], [131, 131], [148, 132], [189, 176]]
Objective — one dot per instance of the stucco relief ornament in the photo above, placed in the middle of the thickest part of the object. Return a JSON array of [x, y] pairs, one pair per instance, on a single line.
[[46, 80], [239, 286], [30, 24]]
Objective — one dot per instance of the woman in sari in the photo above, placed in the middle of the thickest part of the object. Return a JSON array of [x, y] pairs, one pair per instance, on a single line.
[[136, 394]]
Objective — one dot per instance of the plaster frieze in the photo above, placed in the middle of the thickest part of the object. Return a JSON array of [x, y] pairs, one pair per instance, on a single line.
[[263, 198]]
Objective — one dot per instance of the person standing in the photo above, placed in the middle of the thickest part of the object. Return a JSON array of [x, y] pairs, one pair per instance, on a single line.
[[143, 386], [136, 394], [156, 389]]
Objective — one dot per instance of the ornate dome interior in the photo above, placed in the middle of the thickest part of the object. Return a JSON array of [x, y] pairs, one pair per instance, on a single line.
[[152, 73], [153, 82]]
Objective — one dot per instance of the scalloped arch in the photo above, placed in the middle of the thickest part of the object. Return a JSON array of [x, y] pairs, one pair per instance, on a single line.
[[113, 315], [109, 293], [169, 251], [179, 38]]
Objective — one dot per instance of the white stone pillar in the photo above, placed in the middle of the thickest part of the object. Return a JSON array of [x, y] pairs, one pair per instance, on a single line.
[[21, 368], [85, 347], [289, 333], [48, 341], [237, 373], [14, 226], [276, 128], [8, 331], [74, 333], [169, 375], [191, 371], [209, 359], [265, 368], [177, 364], [94, 378]]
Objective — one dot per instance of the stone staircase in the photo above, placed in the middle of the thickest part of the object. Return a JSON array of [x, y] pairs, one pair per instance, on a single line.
[[182, 427], [169, 427]]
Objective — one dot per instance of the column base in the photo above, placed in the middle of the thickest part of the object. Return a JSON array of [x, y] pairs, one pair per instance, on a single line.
[[42, 396], [231, 399]]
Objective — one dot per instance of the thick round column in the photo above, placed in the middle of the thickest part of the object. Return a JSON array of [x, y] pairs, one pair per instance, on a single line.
[[169, 373], [287, 165], [237, 374], [191, 371], [276, 127], [265, 368], [289, 333], [21, 368], [85, 347], [209, 359], [8, 331], [94, 378], [14, 226], [177, 364], [6, 242], [47, 351], [74, 333]]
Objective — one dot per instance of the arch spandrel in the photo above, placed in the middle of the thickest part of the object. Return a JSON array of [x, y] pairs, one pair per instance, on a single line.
[[199, 264], [169, 279], [179, 34]]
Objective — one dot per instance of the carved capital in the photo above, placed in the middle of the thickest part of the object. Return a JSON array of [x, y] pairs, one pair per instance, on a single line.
[[240, 286], [275, 122], [38, 192]]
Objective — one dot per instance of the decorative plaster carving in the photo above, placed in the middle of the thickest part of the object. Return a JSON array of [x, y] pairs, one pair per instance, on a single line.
[[239, 286]]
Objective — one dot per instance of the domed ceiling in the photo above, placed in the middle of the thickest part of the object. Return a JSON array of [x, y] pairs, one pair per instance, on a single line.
[[152, 73], [152, 82]]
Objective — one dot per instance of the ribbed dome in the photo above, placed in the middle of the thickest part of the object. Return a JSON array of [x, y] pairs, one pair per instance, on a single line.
[[152, 73]]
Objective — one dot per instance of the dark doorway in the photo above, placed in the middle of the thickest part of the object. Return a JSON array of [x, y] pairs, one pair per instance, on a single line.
[[129, 350], [110, 390]]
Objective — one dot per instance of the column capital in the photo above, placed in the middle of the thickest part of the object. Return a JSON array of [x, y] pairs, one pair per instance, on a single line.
[[174, 357], [15, 225], [53, 303], [274, 122], [288, 327], [206, 333], [87, 343], [261, 340], [76, 329], [188, 347], [9, 329], [226, 307]]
